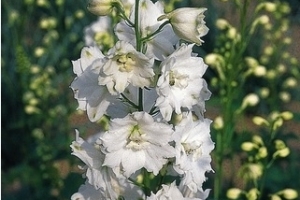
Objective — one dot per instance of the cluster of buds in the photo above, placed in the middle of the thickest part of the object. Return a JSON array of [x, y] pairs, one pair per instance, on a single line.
[[149, 86]]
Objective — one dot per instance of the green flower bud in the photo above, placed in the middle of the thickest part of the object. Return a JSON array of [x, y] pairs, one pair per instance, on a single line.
[[248, 146], [289, 193], [101, 7], [282, 153], [260, 121], [234, 193], [287, 115]]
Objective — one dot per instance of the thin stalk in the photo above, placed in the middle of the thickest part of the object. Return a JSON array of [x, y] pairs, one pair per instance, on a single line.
[[136, 26], [155, 32]]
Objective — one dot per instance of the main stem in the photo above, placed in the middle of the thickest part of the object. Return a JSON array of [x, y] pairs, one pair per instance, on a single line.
[[139, 45]]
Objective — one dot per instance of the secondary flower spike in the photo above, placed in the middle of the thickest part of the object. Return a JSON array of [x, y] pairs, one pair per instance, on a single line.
[[188, 23]]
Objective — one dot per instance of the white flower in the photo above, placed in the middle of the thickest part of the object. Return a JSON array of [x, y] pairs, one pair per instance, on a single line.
[[137, 141], [100, 33], [188, 23], [159, 46], [181, 82], [107, 184], [193, 145], [90, 95], [125, 66]]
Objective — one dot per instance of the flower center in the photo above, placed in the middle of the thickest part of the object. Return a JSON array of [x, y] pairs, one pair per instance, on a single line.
[[125, 63], [193, 150], [135, 140], [178, 80]]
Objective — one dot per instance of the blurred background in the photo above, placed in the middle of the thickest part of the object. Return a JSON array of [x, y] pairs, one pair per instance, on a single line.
[[39, 38]]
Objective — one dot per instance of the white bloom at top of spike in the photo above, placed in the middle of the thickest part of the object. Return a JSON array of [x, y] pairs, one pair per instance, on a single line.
[[159, 46], [137, 141], [124, 66], [188, 23]]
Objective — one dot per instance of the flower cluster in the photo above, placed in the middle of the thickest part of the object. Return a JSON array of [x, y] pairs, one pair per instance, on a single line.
[[149, 85]]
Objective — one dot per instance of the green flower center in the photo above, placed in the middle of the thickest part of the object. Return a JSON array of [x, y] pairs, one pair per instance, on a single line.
[[136, 139], [126, 63]]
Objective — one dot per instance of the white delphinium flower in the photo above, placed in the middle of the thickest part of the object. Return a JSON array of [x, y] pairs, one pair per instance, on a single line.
[[125, 66], [193, 145], [181, 81], [90, 95], [158, 46], [188, 23], [107, 183], [100, 33], [136, 142]]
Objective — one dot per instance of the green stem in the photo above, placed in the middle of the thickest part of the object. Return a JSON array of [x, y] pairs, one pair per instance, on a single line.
[[136, 26], [141, 99], [155, 32]]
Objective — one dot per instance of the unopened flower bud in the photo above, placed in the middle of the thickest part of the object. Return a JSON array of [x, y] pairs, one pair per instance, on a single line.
[[248, 146], [251, 62], [289, 193], [218, 123], [270, 6], [268, 50], [188, 23], [260, 121], [290, 82], [234, 193], [287, 115], [275, 197], [264, 92], [279, 144], [257, 140], [262, 152], [250, 100], [264, 19], [222, 24], [253, 194], [39, 51], [255, 171], [101, 7], [282, 153], [232, 33], [212, 59], [260, 71], [285, 96], [277, 124]]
